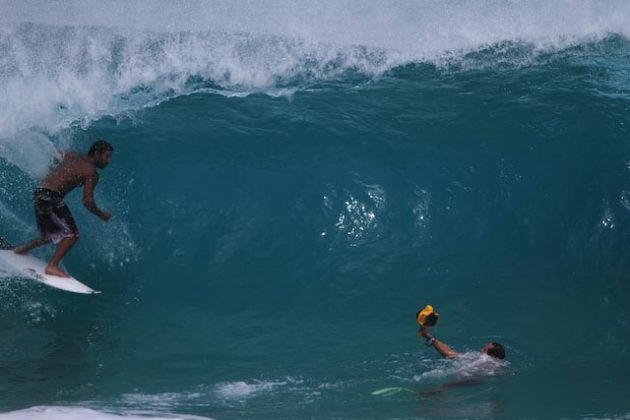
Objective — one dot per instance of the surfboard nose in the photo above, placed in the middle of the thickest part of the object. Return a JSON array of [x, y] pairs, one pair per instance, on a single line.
[[28, 266]]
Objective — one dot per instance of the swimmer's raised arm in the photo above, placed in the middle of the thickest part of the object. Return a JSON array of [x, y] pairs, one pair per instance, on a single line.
[[439, 346], [427, 317]]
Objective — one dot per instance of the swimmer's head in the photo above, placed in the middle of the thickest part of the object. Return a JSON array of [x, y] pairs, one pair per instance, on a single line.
[[495, 350]]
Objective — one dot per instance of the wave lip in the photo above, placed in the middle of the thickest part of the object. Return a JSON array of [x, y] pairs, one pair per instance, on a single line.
[[54, 77], [56, 71]]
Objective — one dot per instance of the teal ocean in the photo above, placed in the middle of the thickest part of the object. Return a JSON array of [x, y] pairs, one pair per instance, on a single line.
[[292, 181]]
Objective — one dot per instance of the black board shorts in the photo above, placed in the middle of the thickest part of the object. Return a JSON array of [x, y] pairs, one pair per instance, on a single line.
[[54, 220]]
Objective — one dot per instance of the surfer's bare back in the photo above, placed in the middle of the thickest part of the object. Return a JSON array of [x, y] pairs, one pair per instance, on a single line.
[[54, 220]]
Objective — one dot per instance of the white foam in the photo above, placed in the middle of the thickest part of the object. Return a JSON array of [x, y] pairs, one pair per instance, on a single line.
[[79, 413], [401, 24], [73, 75], [99, 50], [162, 401], [86, 59], [242, 390], [470, 364], [226, 392], [29, 151]]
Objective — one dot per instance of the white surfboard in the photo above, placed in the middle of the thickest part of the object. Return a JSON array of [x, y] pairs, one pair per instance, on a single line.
[[33, 268]]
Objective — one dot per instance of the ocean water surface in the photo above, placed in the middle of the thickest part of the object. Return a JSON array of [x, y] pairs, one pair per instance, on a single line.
[[291, 182]]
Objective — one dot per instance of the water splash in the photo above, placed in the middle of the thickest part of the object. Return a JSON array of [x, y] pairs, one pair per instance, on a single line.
[[113, 57]]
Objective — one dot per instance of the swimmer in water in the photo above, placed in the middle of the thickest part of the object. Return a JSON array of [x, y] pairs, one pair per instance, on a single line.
[[493, 349]]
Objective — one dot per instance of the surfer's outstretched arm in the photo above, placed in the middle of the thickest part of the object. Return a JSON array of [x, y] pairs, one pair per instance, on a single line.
[[439, 346]]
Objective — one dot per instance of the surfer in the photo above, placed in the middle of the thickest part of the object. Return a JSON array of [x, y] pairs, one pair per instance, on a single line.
[[54, 220], [492, 349]]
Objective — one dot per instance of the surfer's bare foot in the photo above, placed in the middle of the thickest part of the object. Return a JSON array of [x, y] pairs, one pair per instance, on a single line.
[[55, 271], [20, 250]]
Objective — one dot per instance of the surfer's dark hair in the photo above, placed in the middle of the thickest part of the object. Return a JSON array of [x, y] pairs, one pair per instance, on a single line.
[[497, 351], [100, 146]]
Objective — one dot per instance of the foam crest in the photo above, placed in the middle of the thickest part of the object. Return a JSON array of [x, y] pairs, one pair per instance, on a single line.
[[56, 77], [66, 64], [87, 59], [425, 25]]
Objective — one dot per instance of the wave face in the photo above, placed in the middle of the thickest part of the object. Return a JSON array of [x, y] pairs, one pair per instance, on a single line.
[[292, 182]]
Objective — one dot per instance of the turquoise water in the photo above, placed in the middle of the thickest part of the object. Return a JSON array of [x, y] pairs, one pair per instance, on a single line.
[[292, 183]]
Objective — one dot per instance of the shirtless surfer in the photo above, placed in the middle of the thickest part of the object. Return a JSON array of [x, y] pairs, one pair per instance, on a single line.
[[54, 220]]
